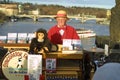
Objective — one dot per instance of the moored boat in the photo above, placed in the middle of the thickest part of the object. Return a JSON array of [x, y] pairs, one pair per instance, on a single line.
[[84, 33]]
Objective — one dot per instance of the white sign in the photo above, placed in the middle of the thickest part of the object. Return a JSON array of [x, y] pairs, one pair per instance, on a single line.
[[34, 66], [14, 65], [50, 65], [106, 49]]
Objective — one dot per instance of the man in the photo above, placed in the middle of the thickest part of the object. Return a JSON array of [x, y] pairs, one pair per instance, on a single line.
[[61, 31], [110, 70]]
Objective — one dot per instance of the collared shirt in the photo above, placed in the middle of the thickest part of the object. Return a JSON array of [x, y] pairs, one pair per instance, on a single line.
[[57, 34]]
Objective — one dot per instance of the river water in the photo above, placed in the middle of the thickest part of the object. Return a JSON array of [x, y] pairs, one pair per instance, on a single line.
[[28, 26]]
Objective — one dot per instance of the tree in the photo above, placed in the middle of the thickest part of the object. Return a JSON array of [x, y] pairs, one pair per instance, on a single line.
[[2, 17]]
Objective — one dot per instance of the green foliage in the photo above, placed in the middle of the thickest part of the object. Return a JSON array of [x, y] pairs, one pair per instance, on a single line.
[[73, 10], [2, 17], [52, 9]]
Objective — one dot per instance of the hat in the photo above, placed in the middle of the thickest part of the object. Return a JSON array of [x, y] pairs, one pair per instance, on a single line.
[[61, 13]]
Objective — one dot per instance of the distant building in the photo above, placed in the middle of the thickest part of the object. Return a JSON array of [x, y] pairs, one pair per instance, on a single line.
[[9, 9], [108, 13], [34, 12]]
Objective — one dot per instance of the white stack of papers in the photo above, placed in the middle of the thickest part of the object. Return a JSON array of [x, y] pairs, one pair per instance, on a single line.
[[12, 37], [34, 66], [3, 39], [72, 46], [22, 38], [30, 36]]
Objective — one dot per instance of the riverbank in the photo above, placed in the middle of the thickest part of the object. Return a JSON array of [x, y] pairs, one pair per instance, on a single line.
[[1, 23]]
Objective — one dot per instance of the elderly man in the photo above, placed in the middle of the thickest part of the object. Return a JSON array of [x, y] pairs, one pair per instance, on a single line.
[[110, 70], [61, 30]]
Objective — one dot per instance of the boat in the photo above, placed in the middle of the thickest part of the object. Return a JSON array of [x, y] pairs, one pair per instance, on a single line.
[[84, 33], [106, 22], [14, 19], [50, 20]]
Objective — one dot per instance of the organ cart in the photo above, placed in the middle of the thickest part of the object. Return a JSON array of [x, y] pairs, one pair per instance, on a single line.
[[68, 66]]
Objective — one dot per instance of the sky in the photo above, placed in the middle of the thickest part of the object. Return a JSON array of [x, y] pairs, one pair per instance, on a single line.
[[108, 4]]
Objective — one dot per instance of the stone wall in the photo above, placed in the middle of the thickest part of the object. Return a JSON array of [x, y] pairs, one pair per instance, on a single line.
[[114, 39], [115, 23]]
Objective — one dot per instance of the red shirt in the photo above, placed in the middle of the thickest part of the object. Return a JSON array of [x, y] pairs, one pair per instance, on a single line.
[[68, 33]]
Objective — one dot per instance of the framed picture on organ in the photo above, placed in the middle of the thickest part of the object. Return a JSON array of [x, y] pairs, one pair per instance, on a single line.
[[50, 65]]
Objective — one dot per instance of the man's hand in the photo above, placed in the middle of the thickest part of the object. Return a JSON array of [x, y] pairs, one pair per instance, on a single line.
[[59, 47]]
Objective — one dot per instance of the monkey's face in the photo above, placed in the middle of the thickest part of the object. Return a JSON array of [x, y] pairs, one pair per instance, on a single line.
[[40, 36]]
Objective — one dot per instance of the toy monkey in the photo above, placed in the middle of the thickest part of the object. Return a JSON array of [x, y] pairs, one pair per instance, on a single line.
[[41, 43]]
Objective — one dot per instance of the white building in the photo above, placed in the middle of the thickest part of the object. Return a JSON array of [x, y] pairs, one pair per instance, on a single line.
[[9, 9]]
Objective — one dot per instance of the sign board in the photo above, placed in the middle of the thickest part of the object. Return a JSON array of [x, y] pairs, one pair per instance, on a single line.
[[51, 65], [14, 65], [34, 66]]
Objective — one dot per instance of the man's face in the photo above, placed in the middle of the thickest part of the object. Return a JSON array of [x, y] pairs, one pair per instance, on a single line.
[[61, 21], [40, 36]]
